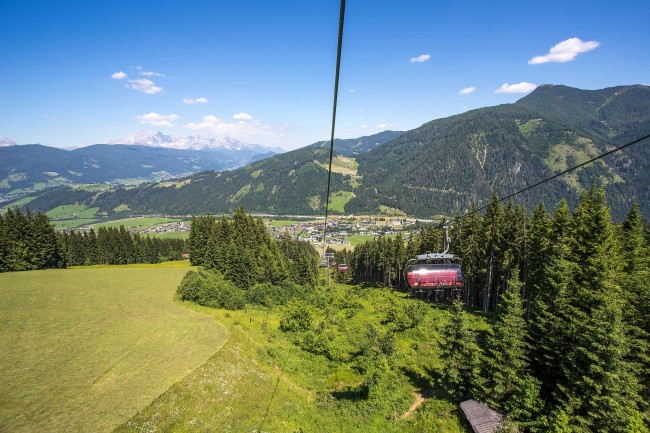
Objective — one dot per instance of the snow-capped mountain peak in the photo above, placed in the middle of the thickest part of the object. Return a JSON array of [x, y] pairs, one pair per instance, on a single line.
[[193, 142], [6, 141]]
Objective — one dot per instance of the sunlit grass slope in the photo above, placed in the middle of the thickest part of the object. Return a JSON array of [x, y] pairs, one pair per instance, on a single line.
[[261, 382], [84, 349]]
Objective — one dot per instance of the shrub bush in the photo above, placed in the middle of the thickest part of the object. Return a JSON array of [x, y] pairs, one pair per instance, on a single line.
[[210, 288], [297, 316]]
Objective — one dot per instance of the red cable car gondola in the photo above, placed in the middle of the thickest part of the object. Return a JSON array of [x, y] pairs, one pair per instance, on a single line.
[[434, 272]]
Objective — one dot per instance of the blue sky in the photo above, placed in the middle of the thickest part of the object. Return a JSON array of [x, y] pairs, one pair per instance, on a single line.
[[81, 72]]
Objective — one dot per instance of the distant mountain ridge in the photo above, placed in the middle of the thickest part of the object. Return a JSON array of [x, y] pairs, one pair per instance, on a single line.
[[31, 167], [191, 142], [439, 168]]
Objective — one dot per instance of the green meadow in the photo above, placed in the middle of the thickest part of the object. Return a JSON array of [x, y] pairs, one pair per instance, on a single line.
[[139, 223], [171, 235], [17, 203], [72, 223], [71, 211], [107, 348], [339, 199], [84, 349]]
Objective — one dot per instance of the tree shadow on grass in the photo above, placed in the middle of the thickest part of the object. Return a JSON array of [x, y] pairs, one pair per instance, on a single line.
[[358, 393]]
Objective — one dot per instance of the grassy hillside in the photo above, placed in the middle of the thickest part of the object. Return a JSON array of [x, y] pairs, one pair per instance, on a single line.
[[84, 349], [264, 380]]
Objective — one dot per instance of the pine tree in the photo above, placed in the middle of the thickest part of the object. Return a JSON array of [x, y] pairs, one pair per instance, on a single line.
[[472, 249], [510, 387], [635, 281], [600, 388], [200, 231], [460, 355], [91, 254], [550, 312], [4, 245], [493, 228], [46, 252], [538, 247]]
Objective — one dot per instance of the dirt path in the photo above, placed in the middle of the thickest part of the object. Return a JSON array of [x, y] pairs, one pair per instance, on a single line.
[[420, 397]]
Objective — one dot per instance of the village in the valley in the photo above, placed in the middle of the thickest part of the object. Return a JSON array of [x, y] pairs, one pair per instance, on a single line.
[[342, 232]]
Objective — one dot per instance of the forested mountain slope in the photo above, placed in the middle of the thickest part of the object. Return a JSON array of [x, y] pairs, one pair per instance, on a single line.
[[292, 182], [352, 147], [443, 165]]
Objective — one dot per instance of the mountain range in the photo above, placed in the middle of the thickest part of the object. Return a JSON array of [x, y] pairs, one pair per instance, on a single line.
[[145, 156], [191, 142], [438, 168]]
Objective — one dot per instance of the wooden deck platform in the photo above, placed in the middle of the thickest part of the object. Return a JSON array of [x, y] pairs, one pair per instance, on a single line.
[[481, 417]]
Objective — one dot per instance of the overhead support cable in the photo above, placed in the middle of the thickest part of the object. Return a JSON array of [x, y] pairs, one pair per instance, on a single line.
[[336, 93]]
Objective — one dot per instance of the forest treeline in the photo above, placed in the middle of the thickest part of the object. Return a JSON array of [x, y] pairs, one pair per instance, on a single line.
[[243, 263], [569, 347], [29, 242], [118, 246]]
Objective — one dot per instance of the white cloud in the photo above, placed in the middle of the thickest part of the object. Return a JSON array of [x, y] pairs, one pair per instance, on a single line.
[[467, 90], [565, 51], [156, 119], [242, 116], [351, 90], [212, 125], [191, 101], [364, 126], [150, 74], [421, 58], [119, 75], [211, 118], [145, 86], [522, 87], [384, 125]]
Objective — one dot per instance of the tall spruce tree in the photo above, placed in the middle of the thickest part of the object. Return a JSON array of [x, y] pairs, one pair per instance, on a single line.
[[635, 281], [4, 245], [493, 228], [460, 355], [509, 385], [200, 230], [601, 389], [472, 249], [538, 246], [550, 333]]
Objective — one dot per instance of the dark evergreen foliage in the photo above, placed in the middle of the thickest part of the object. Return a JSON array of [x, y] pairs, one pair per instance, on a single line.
[[117, 246], [460, 355], [569, 344], [241, 251], [28, 242], [509, 385]]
